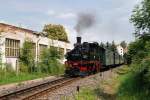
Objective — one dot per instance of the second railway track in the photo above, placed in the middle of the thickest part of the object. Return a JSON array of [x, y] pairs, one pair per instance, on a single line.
[[31, 93]]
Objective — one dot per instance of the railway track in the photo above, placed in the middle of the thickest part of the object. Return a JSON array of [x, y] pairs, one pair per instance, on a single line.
[[31, 93]]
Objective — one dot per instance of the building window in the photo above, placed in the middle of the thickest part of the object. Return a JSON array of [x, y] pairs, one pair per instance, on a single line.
[[33, 50], [12, 48], [42, 48]]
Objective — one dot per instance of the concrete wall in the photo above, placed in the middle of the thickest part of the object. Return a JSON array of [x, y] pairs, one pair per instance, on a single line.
[[20, 35]]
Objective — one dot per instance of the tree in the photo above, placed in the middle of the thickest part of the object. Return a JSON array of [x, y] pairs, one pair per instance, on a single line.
[[108, 45], [49, 62], [102, 44], [123, 44], [141, 18], [113, 46], [56, 32], [26, 57]]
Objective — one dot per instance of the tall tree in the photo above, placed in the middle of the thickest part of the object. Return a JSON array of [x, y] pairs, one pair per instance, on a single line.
[[56, 32], [141, 18], [102, 44], [113, 46], [108, 45], [123, 44]]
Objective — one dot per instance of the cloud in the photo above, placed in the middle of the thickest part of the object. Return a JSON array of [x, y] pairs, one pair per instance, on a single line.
[[61, 15], [68, 15], [51, 12], [113, 16]]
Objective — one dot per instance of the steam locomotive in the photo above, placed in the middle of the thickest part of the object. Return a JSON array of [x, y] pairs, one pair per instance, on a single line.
[[89, 58]]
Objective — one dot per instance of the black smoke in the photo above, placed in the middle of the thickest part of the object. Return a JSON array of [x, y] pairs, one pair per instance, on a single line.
[[84, 21]]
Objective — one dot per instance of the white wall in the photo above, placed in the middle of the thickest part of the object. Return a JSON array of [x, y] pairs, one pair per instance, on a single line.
[[38, 40], [120, 50], [2, 49]]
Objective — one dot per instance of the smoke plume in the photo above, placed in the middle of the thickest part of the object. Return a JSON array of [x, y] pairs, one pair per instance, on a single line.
[[84, 21]]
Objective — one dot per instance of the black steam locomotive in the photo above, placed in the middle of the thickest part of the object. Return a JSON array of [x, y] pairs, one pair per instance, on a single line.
[[89, 58]]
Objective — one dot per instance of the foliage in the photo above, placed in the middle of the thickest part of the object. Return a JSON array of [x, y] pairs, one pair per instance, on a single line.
[[139, 49], [141, 17], [27, 57], [113, 46], [56, 32], [49, 65], [7, 77], [1, 60], [49, 61], [86, 94], [102, 44], [136, 84], [123, 44]]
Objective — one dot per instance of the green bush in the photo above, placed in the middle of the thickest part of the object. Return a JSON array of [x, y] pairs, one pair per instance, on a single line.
[[133, 87], [49, 62], [136, 84], [27, 57]]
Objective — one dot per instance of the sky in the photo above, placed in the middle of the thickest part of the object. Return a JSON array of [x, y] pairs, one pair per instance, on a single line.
[[112, 17]]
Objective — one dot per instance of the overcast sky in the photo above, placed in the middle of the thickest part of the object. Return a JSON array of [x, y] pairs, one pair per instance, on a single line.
[[112, 16]]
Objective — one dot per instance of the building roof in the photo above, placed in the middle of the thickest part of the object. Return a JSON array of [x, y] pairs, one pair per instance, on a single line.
[[3, 25], [6, 27]]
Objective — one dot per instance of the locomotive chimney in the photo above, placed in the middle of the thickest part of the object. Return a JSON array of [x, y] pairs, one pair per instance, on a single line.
[[78, 40]]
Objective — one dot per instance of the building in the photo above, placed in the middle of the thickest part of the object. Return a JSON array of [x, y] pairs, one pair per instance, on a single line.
[[13, 37], [120, 50]]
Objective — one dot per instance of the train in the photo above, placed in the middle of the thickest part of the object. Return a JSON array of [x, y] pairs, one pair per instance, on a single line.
[[89, 58]]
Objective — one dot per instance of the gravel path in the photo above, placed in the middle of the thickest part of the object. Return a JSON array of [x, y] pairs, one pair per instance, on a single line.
[[70, 91], [8, 88]]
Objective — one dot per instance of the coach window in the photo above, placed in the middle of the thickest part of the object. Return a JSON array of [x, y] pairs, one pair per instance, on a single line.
[[12, 48]]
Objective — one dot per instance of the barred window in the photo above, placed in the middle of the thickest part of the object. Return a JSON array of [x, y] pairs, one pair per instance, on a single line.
[[42, 47], [12, 48], [34, 49]]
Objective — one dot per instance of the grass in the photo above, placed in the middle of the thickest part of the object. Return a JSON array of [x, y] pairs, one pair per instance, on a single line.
[[125, 86], [11, 77], [86, 94], [131, 88], [8, 75], [106, 89]]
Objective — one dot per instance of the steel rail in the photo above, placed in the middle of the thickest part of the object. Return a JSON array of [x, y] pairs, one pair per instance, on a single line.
[[34, 92]]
